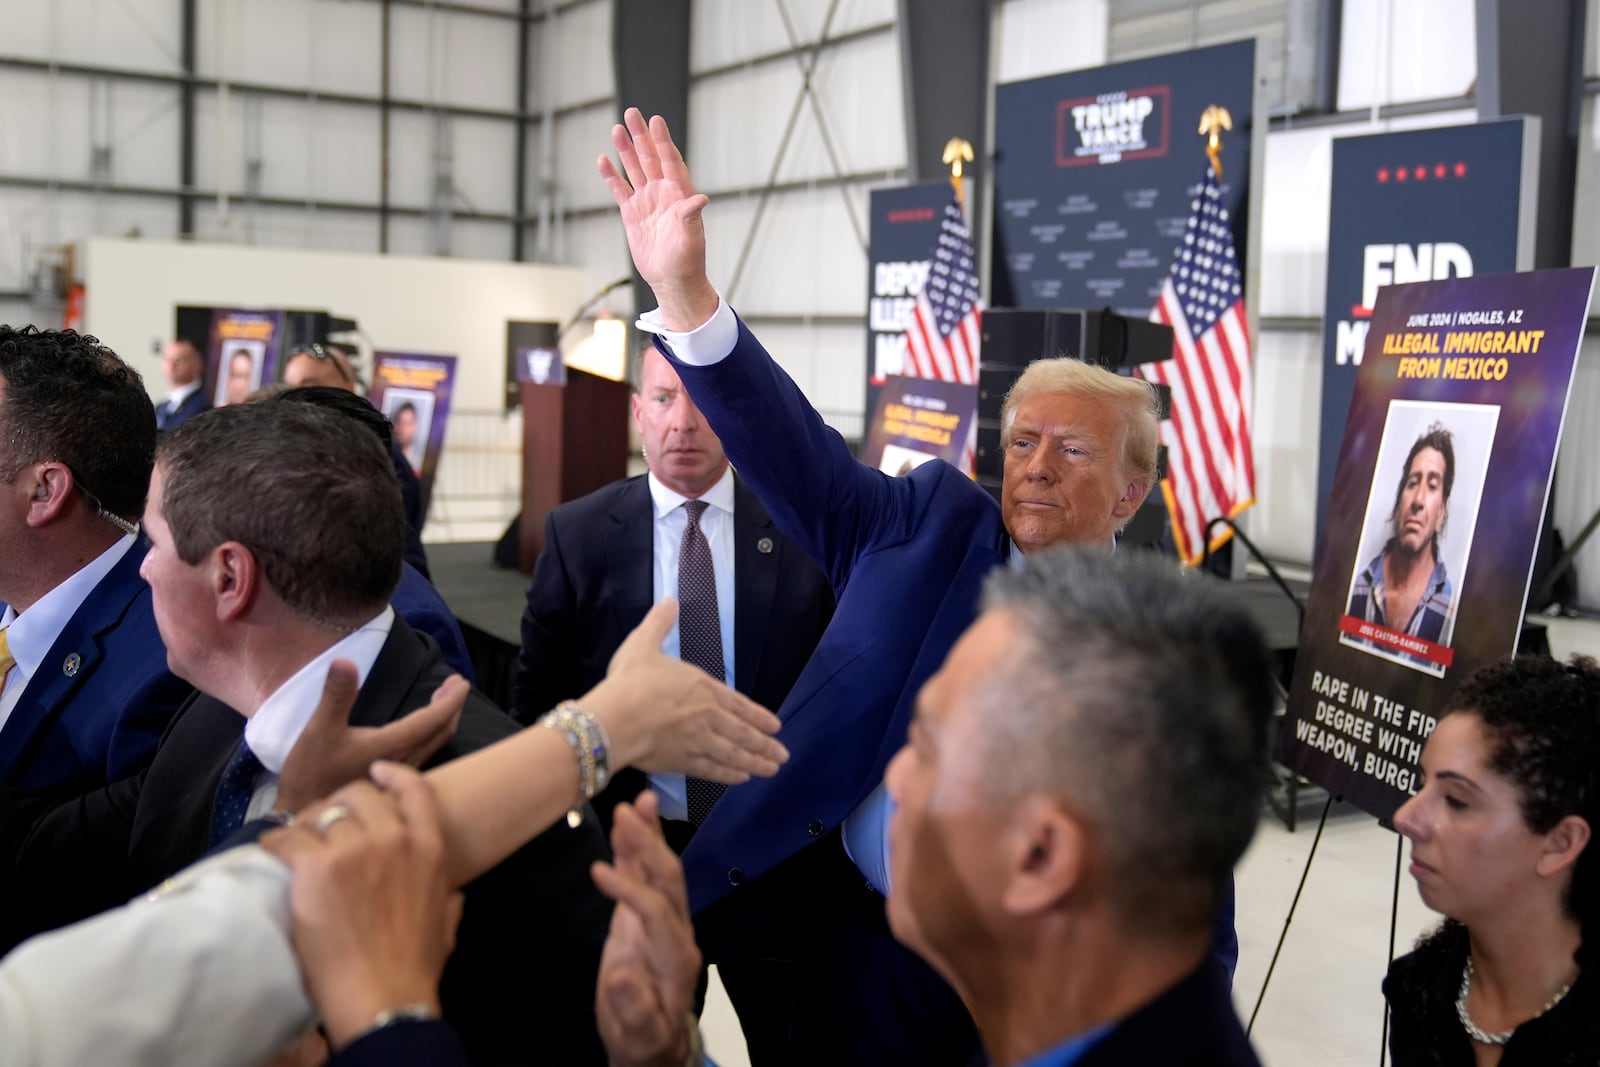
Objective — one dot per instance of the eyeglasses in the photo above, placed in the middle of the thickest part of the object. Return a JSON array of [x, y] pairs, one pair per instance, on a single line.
[[327, 355]]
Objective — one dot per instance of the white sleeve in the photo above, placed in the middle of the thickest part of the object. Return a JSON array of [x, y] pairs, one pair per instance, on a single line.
[[200, 971], [708, 343]]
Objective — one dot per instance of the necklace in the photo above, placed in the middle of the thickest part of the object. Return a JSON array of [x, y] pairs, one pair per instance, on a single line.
[[1499, 1037]]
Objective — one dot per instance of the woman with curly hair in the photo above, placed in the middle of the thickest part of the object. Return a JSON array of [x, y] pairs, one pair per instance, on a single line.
[[1500, 844]]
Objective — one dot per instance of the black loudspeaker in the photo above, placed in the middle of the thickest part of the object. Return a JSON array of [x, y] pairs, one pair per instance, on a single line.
[[1012, 338]]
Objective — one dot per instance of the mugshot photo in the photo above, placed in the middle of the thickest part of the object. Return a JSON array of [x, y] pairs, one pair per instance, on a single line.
[[1416, 538]]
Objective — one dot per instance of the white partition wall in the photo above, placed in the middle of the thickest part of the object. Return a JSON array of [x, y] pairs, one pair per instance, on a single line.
[[402, 303]]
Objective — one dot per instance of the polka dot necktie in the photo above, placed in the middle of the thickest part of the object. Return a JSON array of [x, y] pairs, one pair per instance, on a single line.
[[234, 793], [7, 661], [699, 633]]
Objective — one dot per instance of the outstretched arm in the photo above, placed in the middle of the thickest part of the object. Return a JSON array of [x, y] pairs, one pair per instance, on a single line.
[[830, 505], [660, 714]]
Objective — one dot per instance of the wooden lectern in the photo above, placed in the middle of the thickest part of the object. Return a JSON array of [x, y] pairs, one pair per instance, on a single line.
[[574, 441]]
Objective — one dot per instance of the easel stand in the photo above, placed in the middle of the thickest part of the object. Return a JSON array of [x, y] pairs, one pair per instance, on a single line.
[[1394, 918]]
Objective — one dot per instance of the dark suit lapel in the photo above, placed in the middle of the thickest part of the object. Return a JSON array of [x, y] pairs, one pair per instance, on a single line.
[[756, 579], [72, 659], [630, 554], [394, 675]]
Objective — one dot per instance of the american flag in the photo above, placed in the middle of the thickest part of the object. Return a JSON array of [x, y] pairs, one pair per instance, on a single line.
[[1210, 464], [942, 340]]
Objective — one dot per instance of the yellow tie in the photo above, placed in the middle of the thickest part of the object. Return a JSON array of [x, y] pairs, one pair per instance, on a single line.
[[6, 660]]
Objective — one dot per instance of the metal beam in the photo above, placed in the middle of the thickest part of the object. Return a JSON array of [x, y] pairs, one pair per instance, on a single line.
[[1530, 62], [944, 61], [519, 190], [861, 33], [858, 177], [186, 137], [650, 57], [383, 128], [43, 66], [1364, 115], [167, 192]]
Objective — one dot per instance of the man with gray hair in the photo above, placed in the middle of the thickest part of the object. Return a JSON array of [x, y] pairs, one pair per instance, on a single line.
[[1082, 773], [1081, 776]]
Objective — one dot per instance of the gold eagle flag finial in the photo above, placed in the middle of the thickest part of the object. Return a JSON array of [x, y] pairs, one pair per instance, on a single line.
[[958, 150], [1214, 120]]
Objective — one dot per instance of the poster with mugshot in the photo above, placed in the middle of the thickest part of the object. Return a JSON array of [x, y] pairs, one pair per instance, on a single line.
[[917, 420], [241, 353], [414, 390], [1424, 563]]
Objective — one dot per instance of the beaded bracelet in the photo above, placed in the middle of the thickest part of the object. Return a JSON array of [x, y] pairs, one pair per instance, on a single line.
[[589, 744]]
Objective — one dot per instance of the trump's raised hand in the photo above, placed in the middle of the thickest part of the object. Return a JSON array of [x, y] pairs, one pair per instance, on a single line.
[[661, 213]]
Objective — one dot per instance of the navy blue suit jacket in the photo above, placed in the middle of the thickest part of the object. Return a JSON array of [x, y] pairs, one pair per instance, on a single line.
[[1191, 1024], [96, 709], [193, 404], [906, 557], [595, 580], [419, 603]]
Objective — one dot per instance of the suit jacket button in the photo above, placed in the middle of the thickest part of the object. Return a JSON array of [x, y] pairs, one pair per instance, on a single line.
[[735, 876], [814, 827]]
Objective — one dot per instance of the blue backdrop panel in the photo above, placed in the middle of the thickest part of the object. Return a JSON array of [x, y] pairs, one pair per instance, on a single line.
[[1094, 171], [1409, 207]]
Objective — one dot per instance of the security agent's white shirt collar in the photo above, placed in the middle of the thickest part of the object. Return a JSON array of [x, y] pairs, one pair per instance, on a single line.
[[272, 731], [670, 520], [180, 393], [31, 634]]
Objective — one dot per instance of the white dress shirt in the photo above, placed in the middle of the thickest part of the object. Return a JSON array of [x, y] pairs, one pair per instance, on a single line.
[[272, 731], [179, 394], [31, 634], [716, 522]]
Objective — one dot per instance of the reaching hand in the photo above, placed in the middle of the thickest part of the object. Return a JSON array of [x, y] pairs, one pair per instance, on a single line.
[[331, 752], [374, 920], [650, 962], [667, 716], [661, 215]]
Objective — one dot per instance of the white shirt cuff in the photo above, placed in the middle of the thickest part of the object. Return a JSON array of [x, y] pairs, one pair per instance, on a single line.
[[708, 343]]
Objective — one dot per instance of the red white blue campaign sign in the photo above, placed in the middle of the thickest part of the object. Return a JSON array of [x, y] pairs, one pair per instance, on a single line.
[[917, 420], [1416, 206], [1438, 496], [1095, 170], [904, 227]]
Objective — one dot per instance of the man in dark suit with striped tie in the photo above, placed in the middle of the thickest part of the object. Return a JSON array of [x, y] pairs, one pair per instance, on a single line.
[[752, 607], [266, 563]]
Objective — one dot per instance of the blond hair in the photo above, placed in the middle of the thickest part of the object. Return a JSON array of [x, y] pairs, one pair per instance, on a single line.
[[1134, 398]]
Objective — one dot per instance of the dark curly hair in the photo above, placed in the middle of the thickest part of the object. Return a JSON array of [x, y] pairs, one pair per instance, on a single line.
[[1542, 722], [70, 399]]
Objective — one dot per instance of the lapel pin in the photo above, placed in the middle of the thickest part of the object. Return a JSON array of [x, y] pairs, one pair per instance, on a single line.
[[764, 546], [70, 665]]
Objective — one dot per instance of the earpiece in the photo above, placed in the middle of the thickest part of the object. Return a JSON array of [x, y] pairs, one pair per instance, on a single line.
[[41, 492]]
